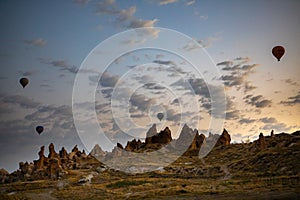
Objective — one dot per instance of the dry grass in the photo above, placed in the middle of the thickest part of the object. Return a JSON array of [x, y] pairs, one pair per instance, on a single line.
[[269, 174]]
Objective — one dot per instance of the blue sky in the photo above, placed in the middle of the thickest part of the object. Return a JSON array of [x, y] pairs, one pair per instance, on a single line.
[[48, 41]]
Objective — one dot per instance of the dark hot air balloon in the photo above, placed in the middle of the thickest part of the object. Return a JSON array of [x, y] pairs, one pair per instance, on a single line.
[[278, 52], [39, 129], [24, 82], [160, 116]]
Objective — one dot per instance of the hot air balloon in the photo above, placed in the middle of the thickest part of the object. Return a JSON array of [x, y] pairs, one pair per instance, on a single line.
[[160, 116], [39, 129], [24, 82], [278, 52]]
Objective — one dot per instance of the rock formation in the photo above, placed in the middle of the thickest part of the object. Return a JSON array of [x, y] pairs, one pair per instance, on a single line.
[[186, 137], [39, 164], [133, 145], [52, 167], [98, 153], [224, 139], [153, 140], [4, 175], [189, 136], [120, 145], [163, 137], [52, 153], [151, 132], [261, 144], [272, 133], [194, 148]]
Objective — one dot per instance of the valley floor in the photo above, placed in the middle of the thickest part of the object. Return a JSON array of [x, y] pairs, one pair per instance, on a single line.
[[117, 185]]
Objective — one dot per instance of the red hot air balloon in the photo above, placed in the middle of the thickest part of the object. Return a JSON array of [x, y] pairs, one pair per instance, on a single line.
[[278, 52], [24, 82], [39, 129]]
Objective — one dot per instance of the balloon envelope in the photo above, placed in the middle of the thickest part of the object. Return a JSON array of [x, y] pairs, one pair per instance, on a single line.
[[24, 82], [160, 116], [278, 52], [39, 129]]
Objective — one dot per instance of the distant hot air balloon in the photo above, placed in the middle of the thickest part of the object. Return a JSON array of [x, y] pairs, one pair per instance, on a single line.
[[160, 116], [278, 52], [39, 129], [24, 82]]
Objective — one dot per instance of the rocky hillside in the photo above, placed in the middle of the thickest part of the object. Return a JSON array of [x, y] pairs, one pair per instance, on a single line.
[[277, 154]]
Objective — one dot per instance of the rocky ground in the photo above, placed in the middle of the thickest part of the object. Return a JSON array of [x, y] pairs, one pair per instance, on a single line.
[[268, 168]]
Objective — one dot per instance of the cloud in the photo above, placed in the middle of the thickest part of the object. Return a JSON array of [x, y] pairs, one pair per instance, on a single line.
[[161, 62], [126, 14], [108, 80], [21, 101], [248, 87], [141, 102], [271, 123], [149, 24], [199, 87], [246, 121], [188, 3], [206, 91], [106, 7], [125, 17], [107, 92], [257, 101], [237, 73], [232, 80], [268, 120], [226, 63], [81, 2], [233, 115], [165, 2], [191, 46], [137, 115], [291, 82], [36, 42], [207, 42], [63, 65], [293, 100], [244, 59], [26, 73], [172, 115], [133, 41], [175, 101], [153, 86], [278, 127]]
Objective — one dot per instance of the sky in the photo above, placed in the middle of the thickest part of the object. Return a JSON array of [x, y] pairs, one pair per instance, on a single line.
[[208, 64]]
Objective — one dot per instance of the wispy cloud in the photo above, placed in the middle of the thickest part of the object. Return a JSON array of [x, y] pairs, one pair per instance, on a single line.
[[258, 101], [237, 73], [81, 2], [125, 17], [165, 2], [165, 62], [271, 123], [26, 73], [141, 102], [108, 80], [63, 65], [246, 121], [39, 42], [188, 3], [21, 101], [291, 82], [293, 100]]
